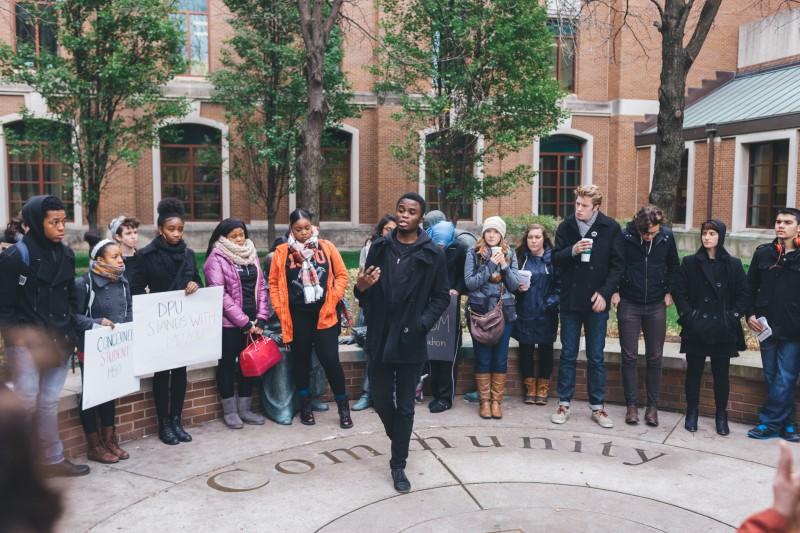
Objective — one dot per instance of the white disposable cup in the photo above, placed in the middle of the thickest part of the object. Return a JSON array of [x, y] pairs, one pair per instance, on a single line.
[[525, 278], [496, 249], [586, 255]]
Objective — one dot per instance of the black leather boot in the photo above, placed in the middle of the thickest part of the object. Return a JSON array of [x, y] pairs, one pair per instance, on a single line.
[[177, 427], [345, 422], [306, 412], [691, 419], [165, 432], [721, 421]]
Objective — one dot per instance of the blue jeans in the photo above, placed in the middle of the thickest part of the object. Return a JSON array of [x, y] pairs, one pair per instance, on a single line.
[[493, 359], [781, 362], [594, 325], [39, 389]]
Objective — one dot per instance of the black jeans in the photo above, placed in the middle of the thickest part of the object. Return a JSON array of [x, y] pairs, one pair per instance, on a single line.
[[527, 361], [650, 319], [694, 377], [324, 341], [228, 371], [443, 379], [107, 412], [169, 393], [397, 414]]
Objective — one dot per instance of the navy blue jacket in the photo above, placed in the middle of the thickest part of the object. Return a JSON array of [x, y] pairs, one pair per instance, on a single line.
[[650, 268], [537, 308]]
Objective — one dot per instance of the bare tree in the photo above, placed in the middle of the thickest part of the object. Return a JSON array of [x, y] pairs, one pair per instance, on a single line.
[[318, 18]]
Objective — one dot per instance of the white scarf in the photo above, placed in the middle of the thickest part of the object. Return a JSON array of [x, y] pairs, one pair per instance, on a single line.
[[302, 253], [239, 255]]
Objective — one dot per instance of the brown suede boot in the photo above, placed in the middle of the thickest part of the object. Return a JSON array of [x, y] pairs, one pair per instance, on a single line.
[[112, 443], [542, 391], [97, 451], [498, 390], [483, 383], [531, 384]]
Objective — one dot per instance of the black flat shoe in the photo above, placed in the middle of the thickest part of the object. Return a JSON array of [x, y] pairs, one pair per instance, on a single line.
[[721, 421], [401, 482], [345, 422], [439, 406], [65, 469], [307, 412], [691, 419]]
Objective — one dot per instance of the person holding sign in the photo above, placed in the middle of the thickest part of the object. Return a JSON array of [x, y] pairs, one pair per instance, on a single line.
[[443, 373], [167, 264], [403, 291], [307, 280], [232, 262], [103, 298], [537, 312], [492, 278], [711, 295], [774, 280]]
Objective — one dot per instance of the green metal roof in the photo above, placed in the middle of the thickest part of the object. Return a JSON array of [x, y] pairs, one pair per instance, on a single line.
[[747, 97]]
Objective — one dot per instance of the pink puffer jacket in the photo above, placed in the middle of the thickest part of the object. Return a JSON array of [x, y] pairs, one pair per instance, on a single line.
[[219, 270]]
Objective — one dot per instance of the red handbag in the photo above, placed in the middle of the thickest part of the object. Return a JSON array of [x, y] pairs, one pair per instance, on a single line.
[[259, 356]]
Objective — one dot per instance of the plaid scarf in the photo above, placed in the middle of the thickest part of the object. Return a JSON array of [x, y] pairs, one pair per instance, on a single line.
[[302, 254], [106, 270]]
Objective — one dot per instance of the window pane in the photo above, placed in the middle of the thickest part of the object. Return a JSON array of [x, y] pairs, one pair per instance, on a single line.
[[547, 195], [209, 211], [22, 172], [192, 5], [206, 175], [198, 57], [47, 34], [20, 192], [204, 193], [175, 175], [26, 34], [174, 155], [177, 191], [567, 72]]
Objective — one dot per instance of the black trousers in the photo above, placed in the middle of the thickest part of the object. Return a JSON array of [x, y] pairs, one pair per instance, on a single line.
[[694, 377], [228, 370], [107, 412], [527, 362], [169, 391], [326, 344], [392, 387]]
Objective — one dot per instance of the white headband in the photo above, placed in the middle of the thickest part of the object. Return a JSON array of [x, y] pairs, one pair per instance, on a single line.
[[99, 246], [115, 224]]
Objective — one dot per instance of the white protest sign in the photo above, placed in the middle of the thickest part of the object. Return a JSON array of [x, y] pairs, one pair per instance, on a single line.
[[174, 330], [108, 364]]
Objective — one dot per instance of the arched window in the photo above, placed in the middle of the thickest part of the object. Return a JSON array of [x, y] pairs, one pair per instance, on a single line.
[[448, 168], [334, 191], [559, 174], [35, 165], [191, 169]]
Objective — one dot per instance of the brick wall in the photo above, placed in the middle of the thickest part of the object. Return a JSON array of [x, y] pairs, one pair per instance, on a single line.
[[136, 412]]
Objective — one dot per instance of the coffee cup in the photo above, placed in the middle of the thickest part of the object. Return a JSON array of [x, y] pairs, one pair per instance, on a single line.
[[525, 278], [496, 249], [586, 255]]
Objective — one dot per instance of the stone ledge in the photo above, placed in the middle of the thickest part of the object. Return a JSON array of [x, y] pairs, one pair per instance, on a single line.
[[746, 366]]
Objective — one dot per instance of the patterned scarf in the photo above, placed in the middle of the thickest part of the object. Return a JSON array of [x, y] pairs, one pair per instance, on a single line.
[[107, 270], [302, 254], [238, 255]]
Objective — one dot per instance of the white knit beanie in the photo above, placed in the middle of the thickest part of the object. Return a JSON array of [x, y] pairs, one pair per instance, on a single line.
[[495, 223]]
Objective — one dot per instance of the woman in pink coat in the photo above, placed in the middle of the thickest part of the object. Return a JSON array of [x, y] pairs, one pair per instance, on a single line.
[[232, 262]]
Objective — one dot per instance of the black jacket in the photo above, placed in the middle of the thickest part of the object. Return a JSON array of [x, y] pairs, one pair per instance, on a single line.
[[399, 336], [579, 281], [711, 307], [39, 293], [456, 256], [775, 290], [650, 268], [161, 270]]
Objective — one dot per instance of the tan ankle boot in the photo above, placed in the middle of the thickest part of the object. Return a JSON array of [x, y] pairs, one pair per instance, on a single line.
[[542, 391], [483, 381], [97, 451], [111, 443], [531, 385], [498, 390]]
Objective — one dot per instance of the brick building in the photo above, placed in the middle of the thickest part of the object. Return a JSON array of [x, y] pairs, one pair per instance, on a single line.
[[612, 80]]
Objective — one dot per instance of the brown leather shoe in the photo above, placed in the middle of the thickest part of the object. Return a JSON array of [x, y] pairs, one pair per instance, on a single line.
[[651, 416], [97, 450], [542, 391], [531, 385], [498, 390], [483, 383], [632, 415], [111, 443]]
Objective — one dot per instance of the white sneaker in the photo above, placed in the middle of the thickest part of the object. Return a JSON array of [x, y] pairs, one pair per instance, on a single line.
[[560, 416], [601, 417]]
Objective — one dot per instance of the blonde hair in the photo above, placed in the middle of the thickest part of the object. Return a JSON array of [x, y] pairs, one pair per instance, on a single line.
[[590, 191], [481, 246]]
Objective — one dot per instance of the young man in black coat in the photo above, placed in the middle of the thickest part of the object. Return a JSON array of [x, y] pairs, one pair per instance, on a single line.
[[403, 290], [774, 280], [651, 267], [37, 289], [588, 254]]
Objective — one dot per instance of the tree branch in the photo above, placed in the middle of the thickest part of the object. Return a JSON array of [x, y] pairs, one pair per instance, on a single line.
[[704, 23]]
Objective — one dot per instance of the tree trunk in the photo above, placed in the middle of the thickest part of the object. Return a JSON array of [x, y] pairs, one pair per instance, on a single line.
[[311, 159]]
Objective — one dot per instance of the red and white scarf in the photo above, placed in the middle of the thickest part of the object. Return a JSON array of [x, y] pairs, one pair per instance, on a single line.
[[302, 254]]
